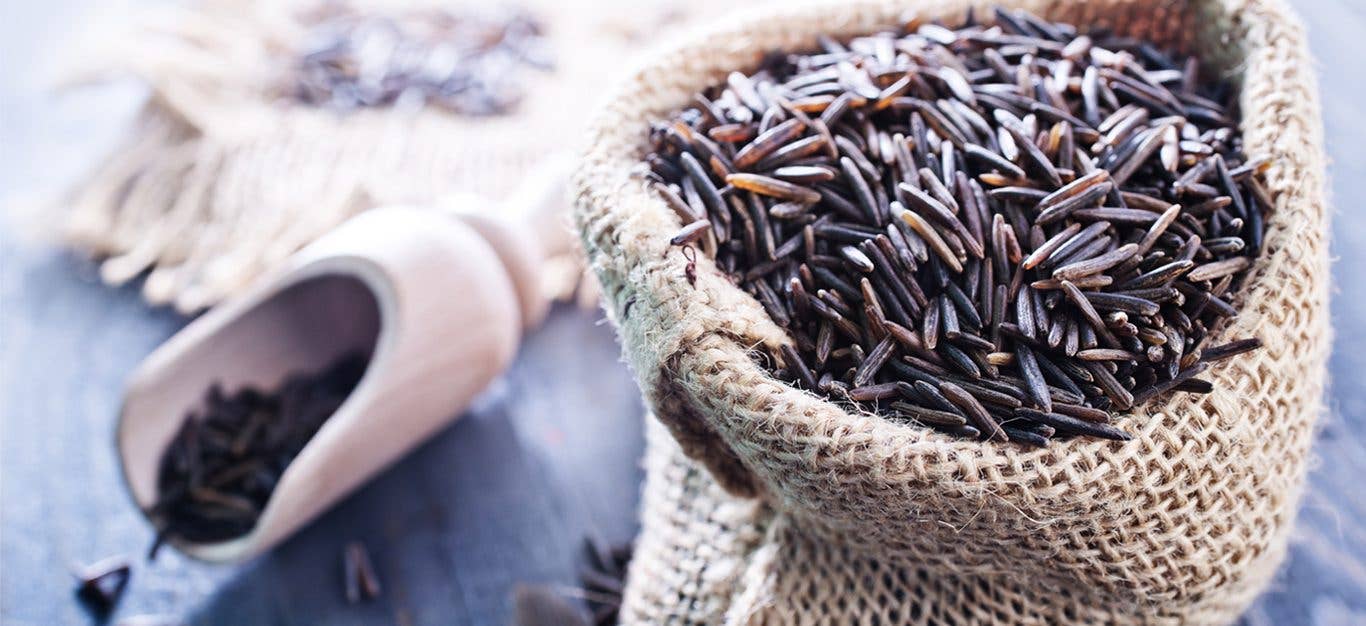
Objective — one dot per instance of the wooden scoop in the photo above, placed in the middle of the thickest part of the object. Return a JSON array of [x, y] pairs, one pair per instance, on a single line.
[[439, 300]]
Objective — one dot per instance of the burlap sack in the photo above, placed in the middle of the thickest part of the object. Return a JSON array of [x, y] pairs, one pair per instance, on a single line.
[[1183, 523], [707, 557]]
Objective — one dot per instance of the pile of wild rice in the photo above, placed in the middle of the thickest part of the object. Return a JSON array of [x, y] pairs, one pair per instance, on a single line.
[[217, 474], [471, 63], [1005, 231]]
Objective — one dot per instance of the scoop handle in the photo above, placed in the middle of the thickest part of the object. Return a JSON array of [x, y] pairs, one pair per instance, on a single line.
[[526, 230]]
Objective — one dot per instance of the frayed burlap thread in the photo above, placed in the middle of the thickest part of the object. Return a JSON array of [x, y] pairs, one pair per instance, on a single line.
[[1188, 520]]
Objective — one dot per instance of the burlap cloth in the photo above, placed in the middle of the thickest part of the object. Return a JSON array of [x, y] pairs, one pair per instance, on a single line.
[[220, 177], [878, 522]]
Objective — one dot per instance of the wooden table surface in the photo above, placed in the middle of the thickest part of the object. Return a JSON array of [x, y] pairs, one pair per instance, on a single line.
[[505, 495]]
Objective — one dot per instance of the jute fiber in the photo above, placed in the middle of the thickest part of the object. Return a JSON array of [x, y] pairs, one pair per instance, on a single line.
[[708, 557], [1185, 523], [223, 175]]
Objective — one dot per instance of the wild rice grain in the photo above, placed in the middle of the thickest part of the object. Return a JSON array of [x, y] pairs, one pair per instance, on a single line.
[[1007, 230]]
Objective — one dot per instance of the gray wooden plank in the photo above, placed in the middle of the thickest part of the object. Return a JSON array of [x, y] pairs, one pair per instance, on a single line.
[[503, 496]]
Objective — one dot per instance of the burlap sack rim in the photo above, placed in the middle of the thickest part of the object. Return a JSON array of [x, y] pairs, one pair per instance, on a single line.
[[604, 181]]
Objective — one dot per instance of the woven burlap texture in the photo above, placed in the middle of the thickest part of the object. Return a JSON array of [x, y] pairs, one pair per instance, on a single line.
[[221, 176], [706, 557], [1185, 522]]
